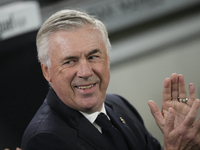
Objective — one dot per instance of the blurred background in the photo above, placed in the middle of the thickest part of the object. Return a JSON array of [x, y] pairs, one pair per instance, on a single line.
[[151, 39]]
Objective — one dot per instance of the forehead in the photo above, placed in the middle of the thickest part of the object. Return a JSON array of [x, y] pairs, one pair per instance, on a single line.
[[79, 39]]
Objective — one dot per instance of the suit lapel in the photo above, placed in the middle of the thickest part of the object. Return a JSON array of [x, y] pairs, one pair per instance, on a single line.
[[85, 130], [128, 134]]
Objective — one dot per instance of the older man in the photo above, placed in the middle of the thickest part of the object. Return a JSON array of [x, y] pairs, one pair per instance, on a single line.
[[73, 48]]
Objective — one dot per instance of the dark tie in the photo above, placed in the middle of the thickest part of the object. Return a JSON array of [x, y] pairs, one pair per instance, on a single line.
[[111, 133]]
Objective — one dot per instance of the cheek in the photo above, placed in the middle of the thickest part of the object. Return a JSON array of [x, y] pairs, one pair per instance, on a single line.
[[107, 78], [106, 69], [67, 78], [62, 77], [104, 75], [107, 74]]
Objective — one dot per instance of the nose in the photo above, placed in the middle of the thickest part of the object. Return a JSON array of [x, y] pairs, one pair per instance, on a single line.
[[84, 70]]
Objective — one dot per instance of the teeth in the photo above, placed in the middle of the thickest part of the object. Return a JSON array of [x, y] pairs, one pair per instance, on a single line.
[[85, 87]]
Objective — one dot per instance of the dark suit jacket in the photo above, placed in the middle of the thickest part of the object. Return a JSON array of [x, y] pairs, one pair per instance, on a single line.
[[56, 126]]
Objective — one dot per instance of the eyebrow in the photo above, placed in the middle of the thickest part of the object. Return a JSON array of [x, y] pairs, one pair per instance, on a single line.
[[93, 52]]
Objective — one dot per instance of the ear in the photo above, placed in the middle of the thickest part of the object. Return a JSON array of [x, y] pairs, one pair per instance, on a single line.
[[46, 72]]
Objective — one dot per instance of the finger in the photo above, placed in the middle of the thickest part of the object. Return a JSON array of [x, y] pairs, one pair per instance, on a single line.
[[169, 121], [167, 90], [181, 87], [191, 117], [155, 111], [174, 88], [191, 94]]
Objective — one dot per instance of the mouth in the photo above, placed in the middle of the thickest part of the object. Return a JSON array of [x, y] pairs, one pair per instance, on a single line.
[[85, 87]]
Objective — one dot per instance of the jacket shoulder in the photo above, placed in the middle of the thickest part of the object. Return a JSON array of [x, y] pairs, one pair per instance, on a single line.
[[122, 105], [45, 123]]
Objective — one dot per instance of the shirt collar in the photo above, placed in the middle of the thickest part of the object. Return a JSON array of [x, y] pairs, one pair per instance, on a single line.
[[92, 117]]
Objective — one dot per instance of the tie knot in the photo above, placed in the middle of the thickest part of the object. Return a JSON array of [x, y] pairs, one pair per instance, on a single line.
[[103, 121]]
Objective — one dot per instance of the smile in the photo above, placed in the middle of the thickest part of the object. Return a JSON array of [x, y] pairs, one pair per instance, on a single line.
[[85, 87]]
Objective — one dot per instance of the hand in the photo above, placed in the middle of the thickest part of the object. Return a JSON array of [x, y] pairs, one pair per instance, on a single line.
[[177, 120]]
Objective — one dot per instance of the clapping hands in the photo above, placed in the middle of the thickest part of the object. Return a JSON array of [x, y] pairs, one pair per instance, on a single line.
[[177, 119]]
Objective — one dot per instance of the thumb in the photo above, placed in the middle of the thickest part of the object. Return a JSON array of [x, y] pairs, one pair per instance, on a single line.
[[155, 111]]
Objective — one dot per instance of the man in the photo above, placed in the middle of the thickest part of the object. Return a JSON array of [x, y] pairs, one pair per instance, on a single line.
[[73, 49]]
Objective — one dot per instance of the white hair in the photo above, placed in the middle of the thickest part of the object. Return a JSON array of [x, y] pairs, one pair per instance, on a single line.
[[66, 20]]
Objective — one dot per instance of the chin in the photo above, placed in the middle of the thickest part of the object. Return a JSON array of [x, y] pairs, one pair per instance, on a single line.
[[90, 108]]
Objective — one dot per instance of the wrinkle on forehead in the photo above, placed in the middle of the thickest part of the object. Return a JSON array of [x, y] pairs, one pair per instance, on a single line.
[[66, 40]]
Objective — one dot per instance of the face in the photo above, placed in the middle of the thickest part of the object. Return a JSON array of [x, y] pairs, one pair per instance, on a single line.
[[79, 71]]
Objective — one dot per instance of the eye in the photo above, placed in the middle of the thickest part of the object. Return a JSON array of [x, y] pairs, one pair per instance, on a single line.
[[69, 62], [92, 57]]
